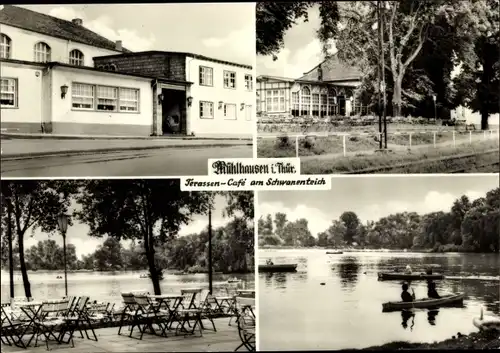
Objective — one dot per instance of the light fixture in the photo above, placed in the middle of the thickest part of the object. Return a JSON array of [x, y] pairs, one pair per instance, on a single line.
[[160, 98], [434, 97], [242, 106], [64, 90], [62, 222], [220, 104], [351, 98], [189, 101]]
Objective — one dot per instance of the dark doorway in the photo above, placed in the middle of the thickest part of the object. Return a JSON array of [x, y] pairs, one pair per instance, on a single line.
[[173, 111], [341, 102]]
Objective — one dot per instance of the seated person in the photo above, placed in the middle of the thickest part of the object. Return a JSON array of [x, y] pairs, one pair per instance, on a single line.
[[431, 290], [269, 262], [429, 271], [408, 269], [405, 295]]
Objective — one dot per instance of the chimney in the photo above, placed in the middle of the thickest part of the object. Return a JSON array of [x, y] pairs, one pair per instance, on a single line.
[[320, 74], [77, 21], [118, 45]]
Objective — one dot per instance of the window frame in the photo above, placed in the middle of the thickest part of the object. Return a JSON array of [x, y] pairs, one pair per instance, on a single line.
[[249, 82], [5, 46], [211, 105], [15, 93], [229, 79], [48, 53], [118, 99], [200, 70], [235, 111], [82, 59], [248, 116]]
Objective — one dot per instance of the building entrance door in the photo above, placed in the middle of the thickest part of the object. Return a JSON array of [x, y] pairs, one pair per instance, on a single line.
[[173, 112]]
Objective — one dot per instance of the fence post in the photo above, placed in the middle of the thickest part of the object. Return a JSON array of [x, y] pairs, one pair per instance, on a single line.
[[470, 137], [454, 140], [344, 145], [410, 140], [297, 146], [434, 138]]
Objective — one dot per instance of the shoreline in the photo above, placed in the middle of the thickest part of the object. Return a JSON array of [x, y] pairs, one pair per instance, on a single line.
[[415, 251], [475, 340]]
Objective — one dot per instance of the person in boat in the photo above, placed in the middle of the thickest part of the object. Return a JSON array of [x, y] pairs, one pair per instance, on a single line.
[[405, 295], [431, 290], [408, 270], [269, 262], [429, 271]]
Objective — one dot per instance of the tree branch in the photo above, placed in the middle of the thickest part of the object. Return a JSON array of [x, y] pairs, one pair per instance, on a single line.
[[421, 41]]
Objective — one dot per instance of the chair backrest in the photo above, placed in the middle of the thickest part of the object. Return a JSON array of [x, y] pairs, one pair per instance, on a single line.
[[54, 308], [82, 304], [128, 299], [187, 297], [16, 300], [142, 300]]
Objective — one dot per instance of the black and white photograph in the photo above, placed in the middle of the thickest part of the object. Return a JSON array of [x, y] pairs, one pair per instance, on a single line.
[[400, 262], [363, 87], [125, 265], [125, 89]]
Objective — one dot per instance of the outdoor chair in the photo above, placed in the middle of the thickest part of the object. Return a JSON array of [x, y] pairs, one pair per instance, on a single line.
[[11, 330], [52, 323], [206, 305], [150, 314], [16, 312], [246, 323], [129, 312], [80, 319], [188, 315]]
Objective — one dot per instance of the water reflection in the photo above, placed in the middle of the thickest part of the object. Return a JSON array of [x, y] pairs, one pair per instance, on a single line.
[[348, 269], [406, 315], [280, 279], [431, 317]]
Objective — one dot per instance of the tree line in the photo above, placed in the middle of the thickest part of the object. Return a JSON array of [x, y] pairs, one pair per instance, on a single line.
[[423, 41], [148, 212], [469, 226]]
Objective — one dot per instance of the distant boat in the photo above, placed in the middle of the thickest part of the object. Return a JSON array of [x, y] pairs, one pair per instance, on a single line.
[[278, 268], [144, 275], [407, 276], [334, 252], [233, 280], [448, 300], [59, 277]]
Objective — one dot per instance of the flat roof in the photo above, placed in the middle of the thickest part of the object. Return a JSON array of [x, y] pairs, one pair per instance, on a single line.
[[196, 56]]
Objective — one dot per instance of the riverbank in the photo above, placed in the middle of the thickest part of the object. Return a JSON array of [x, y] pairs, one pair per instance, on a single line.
[[441, 249], [476, 340]]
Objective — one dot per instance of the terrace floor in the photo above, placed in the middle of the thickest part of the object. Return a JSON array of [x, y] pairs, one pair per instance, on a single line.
[[225, 339]]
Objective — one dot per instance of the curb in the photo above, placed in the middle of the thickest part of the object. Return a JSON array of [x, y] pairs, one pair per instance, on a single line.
[[22, 156], [62, 137]]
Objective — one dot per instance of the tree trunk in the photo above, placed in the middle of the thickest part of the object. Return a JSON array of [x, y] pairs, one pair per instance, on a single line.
[[24, 272], [396, 97], [484, 117], [150, 256]]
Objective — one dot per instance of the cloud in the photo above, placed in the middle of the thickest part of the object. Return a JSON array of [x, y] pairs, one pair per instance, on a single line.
[[103, 25], [237, 43], [319, 220], [293, 65]]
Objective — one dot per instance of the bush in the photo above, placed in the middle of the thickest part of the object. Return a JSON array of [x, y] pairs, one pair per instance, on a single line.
[[283, 141], [309, 142]]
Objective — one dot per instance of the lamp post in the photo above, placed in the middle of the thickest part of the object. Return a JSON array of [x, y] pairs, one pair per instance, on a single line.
[[210, 249], [62, 222], [379, 77], [435, 110]]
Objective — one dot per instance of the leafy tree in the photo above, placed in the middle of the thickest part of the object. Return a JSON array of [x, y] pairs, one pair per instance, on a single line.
[[109, 256], [334, 236], [240, 201], [151, 211], [36, 204], [351, 223], [297, 233]]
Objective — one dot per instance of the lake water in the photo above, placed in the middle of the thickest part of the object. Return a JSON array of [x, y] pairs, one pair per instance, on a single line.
[[297, 312], [105, 286]]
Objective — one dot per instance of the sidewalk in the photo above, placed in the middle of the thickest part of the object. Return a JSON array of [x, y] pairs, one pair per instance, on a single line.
[[13, 148]]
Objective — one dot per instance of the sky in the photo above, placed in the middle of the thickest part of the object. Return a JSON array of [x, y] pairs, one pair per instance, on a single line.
[[84, 244], [223, 31], [374, 197]]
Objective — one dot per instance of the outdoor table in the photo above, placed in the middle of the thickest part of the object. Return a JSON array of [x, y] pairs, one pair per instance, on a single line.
[[171, 302], [32, 310], [248, 293], [246, 329]]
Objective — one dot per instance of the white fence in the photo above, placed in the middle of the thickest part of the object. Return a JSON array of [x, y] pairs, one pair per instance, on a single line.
[[486, 134]]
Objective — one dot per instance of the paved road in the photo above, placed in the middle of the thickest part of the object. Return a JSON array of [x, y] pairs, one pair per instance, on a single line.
[[157, 162]]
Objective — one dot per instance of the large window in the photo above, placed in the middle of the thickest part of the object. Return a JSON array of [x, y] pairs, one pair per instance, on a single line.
[[206, 76], [306, 101], [107, 98], [275, 100], [5, 46], [248, 112], [324, 101], [206, 110], [230, 111], [104, 98], [315, 102], [8, 93], [129, 99], [332, 102], [229, 79], [42, 52], [76, 57], [295, 104], [248, 82]]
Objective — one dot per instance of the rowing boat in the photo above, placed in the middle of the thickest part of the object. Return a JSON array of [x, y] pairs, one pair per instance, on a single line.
[[407, 276], [278, 268], [448, 300], [334, 252]]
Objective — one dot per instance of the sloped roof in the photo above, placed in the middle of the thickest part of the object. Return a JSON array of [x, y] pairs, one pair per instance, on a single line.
[[333, 70], [52, 26]]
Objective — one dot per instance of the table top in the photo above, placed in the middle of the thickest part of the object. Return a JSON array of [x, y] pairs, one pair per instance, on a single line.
[[191, 290], [165, 296], [28, 304], [245, 301], [246, 290]]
